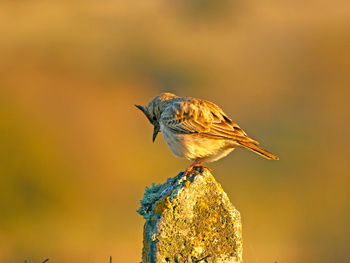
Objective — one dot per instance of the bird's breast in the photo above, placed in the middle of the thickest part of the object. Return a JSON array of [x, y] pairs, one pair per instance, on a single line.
[[174, 140], [194, 146]]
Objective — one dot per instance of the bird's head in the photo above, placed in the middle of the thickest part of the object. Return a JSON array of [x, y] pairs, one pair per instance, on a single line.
[[154, 110]]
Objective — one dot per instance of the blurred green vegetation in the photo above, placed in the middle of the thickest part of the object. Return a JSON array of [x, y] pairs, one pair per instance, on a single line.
[[75, 155]]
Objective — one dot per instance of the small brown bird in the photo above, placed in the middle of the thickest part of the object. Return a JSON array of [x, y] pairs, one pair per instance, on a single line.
[[196, 129]]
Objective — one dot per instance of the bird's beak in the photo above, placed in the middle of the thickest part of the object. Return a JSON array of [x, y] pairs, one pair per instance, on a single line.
[[155, 131], [156, 127], [143, 109]]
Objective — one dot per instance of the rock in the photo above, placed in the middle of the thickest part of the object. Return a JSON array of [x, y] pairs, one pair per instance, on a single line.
[[190, 219]]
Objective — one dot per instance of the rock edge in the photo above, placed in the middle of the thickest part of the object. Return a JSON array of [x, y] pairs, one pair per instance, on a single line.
[[190, 219]]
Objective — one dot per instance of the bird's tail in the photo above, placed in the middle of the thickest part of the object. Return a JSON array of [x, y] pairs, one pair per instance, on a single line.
[[255, 148]]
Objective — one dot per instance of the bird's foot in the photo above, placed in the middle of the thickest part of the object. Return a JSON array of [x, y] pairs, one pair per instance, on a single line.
[[195, 169]]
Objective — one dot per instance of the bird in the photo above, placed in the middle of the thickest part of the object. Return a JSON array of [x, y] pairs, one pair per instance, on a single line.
[[196, 129]]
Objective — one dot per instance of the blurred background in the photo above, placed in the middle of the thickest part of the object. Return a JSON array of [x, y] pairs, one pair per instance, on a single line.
[[76, 155]]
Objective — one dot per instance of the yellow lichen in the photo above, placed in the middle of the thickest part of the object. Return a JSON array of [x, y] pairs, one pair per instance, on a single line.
[[203, 204], [162, 204], [220, 188], [145, 243]]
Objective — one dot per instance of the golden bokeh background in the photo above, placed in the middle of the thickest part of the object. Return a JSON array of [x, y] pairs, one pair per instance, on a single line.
[[76, 155]]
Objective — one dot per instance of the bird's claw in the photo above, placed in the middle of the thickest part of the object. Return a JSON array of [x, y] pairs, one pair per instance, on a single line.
[[195, 169]]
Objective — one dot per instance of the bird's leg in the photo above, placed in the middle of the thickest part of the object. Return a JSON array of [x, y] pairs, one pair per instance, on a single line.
[[191, 169]]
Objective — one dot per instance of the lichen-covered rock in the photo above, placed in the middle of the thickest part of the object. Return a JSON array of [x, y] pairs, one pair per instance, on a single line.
[[190, 219]]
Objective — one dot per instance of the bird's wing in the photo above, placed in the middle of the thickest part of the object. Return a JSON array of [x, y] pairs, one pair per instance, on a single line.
[[201, 117]]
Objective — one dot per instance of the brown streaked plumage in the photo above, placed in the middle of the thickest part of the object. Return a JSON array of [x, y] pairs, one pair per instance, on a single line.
[[196, 129]]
